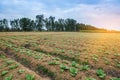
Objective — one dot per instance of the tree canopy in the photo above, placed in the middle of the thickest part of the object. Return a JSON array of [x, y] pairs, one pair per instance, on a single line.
[[41, 23]]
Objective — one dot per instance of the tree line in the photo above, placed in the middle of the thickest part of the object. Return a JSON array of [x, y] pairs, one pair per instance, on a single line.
[[43, 24]]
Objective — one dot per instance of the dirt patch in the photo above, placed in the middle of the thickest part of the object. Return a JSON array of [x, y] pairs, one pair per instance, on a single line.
[[112, 72]]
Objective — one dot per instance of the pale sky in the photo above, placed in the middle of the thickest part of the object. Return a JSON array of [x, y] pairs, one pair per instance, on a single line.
[[99, 13]]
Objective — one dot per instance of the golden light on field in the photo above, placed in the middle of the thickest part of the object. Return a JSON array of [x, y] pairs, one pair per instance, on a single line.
[[66, 54]]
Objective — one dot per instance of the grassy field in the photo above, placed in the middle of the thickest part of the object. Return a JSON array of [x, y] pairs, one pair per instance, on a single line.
[[60, 55]]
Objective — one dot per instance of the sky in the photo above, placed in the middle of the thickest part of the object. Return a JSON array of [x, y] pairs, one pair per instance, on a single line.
[[99, 13]]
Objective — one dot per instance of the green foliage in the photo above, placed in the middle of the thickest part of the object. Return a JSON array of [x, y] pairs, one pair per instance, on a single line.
[[95, 59], [29, 77], [25, 24], [36, 57], [64, 67], [85, 67], [21, 71], [39, 22], [85, 62], [25, 61], [9, 77], [9, 62], [53, 63], [4, 25], [73, 71], [90, 79], [115, 78], [118, 65], [65, 61], [45, 70], [3, 66], [100, 73], [107, 52], [117, 54], [2, 56], [62, 51], [107, 62], [4, 73], [56, 59], [28, 53], [74, 64], [13, 66], [16, 49]]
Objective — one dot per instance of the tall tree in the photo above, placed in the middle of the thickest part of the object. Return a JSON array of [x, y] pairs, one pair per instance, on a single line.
[[52, 23], [57, 28], [39, 22], [47, 24], [70, 24], [1, 25], [15, 26], [25, 24], [61, 24], [5, 23], [33, 25]]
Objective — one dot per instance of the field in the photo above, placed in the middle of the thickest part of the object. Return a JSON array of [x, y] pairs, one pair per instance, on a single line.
[[59, 56]]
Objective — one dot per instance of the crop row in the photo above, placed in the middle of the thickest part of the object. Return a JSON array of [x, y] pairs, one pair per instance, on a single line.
[[53, 66], [80, 57], [12, 70]]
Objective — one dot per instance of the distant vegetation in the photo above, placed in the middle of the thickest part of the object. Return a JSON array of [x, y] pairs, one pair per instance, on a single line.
[[44, 24]]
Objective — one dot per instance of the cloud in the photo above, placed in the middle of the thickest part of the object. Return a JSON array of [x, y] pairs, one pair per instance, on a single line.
[[104, 14], [20, 8], [100, 15]]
